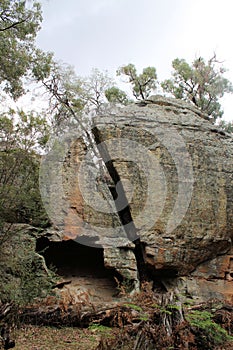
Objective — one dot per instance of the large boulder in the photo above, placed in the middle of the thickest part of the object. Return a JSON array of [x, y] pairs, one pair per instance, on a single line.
[[176, 171], [194, 222]]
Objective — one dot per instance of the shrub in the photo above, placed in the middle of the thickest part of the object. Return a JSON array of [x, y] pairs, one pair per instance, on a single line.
[[208, 333]]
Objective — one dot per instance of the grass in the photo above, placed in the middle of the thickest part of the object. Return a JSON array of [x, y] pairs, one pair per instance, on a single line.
[[50, 338], [99, 329]]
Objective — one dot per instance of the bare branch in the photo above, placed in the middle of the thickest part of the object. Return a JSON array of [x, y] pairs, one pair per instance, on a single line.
[[13, 25]]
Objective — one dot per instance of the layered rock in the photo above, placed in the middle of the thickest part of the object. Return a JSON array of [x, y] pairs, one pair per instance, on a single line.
[[176, 172], [195, 223]]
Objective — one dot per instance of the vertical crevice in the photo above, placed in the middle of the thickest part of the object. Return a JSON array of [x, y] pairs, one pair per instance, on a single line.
[[122, 206]]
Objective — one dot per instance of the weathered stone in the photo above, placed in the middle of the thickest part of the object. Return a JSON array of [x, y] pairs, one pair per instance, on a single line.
[[71, 205], [176, 135], [177, 174], [123, 261]]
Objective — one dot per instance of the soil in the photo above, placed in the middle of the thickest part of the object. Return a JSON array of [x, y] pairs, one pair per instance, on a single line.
[[48, 338], [97, 288], [88, 286]]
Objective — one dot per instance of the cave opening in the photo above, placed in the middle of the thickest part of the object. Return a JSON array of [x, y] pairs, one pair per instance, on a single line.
[[72, 259]]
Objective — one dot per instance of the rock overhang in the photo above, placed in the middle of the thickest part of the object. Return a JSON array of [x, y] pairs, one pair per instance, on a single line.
[[176, 173]]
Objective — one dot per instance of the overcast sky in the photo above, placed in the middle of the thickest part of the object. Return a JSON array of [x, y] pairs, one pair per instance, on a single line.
[[109, 33]]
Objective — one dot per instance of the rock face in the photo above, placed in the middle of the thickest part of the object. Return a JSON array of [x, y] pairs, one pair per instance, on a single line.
[[189, 218], [176, 172]]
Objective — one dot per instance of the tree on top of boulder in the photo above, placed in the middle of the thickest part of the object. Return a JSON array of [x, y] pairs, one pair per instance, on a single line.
[[202, 83]]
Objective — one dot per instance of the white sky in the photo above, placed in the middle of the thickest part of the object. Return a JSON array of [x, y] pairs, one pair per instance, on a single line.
[[109, 33]]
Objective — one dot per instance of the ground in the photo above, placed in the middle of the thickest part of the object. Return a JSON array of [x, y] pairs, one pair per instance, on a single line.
[[70, 338], [48, 338]]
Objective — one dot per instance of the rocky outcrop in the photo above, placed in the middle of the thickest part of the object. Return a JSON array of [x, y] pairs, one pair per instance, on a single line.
[[194, 224], [123, 260], [174, 170]]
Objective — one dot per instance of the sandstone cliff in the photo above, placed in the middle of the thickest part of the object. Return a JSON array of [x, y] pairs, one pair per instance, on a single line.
[[171, 177]]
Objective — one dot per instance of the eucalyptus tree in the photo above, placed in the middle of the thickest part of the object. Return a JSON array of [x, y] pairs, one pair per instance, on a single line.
[[117, 96], [202, 83], [142, 85], [20, 22]]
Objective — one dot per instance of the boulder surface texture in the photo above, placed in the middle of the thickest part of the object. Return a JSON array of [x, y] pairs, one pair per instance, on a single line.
[[176, 172]]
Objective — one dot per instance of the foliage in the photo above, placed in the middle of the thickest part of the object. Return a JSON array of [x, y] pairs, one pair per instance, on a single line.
[[23, 278], [67, 84], [202, 83], [208, 332], [27, 131], [94, 87], [20, 198], [226, 126], [19, 24], [64, 91], [142, 84], [116, 95], [165, 325], [134, 307], [74, 100], [99, 328], [21, 136], [19, 168]]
